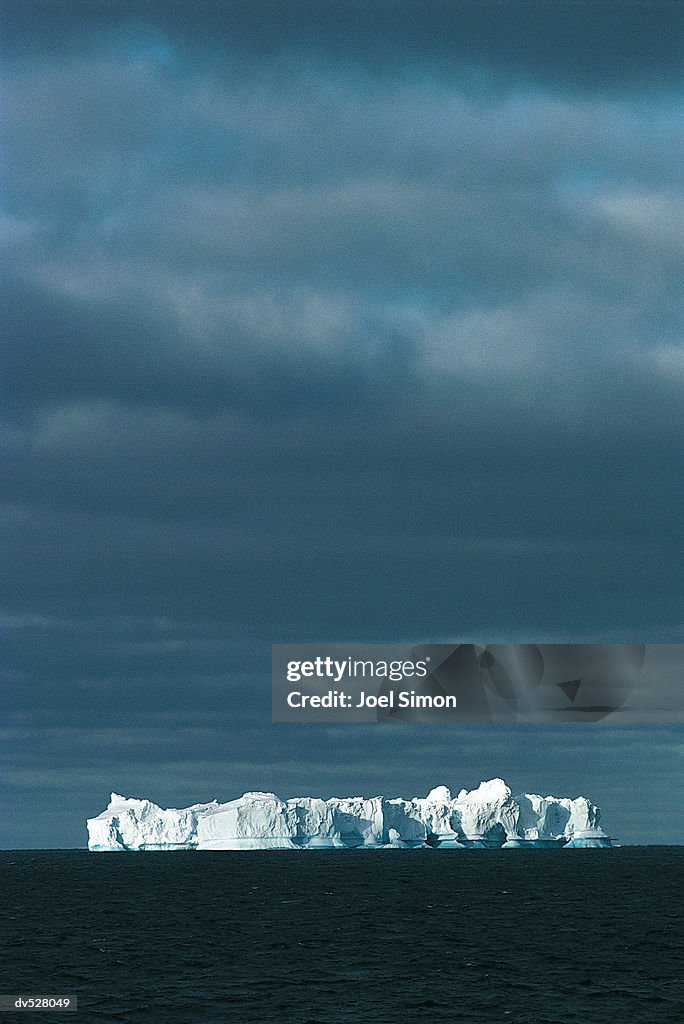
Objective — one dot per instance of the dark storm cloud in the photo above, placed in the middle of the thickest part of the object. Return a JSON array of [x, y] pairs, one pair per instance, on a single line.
[[328, 320], [570, 43], [407, 231]]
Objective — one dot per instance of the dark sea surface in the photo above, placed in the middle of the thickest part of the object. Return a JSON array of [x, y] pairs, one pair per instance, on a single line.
[[543, 936]]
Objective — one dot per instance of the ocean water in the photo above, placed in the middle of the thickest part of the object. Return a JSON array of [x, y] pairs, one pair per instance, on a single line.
[[348, 937]]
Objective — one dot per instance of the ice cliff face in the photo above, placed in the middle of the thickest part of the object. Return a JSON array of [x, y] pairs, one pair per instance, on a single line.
[[129, 824], [489, 816]]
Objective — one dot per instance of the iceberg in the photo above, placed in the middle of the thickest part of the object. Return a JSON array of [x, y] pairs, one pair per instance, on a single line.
[[489, 816]]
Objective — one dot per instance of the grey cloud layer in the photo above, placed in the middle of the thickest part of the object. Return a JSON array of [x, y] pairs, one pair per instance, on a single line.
[[481, 235], [302, 268]]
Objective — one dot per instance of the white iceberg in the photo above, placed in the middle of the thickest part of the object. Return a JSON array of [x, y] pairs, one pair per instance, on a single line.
[[489, 816]]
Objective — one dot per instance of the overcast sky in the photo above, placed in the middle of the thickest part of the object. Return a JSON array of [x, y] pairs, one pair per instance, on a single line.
[[323, 321]]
